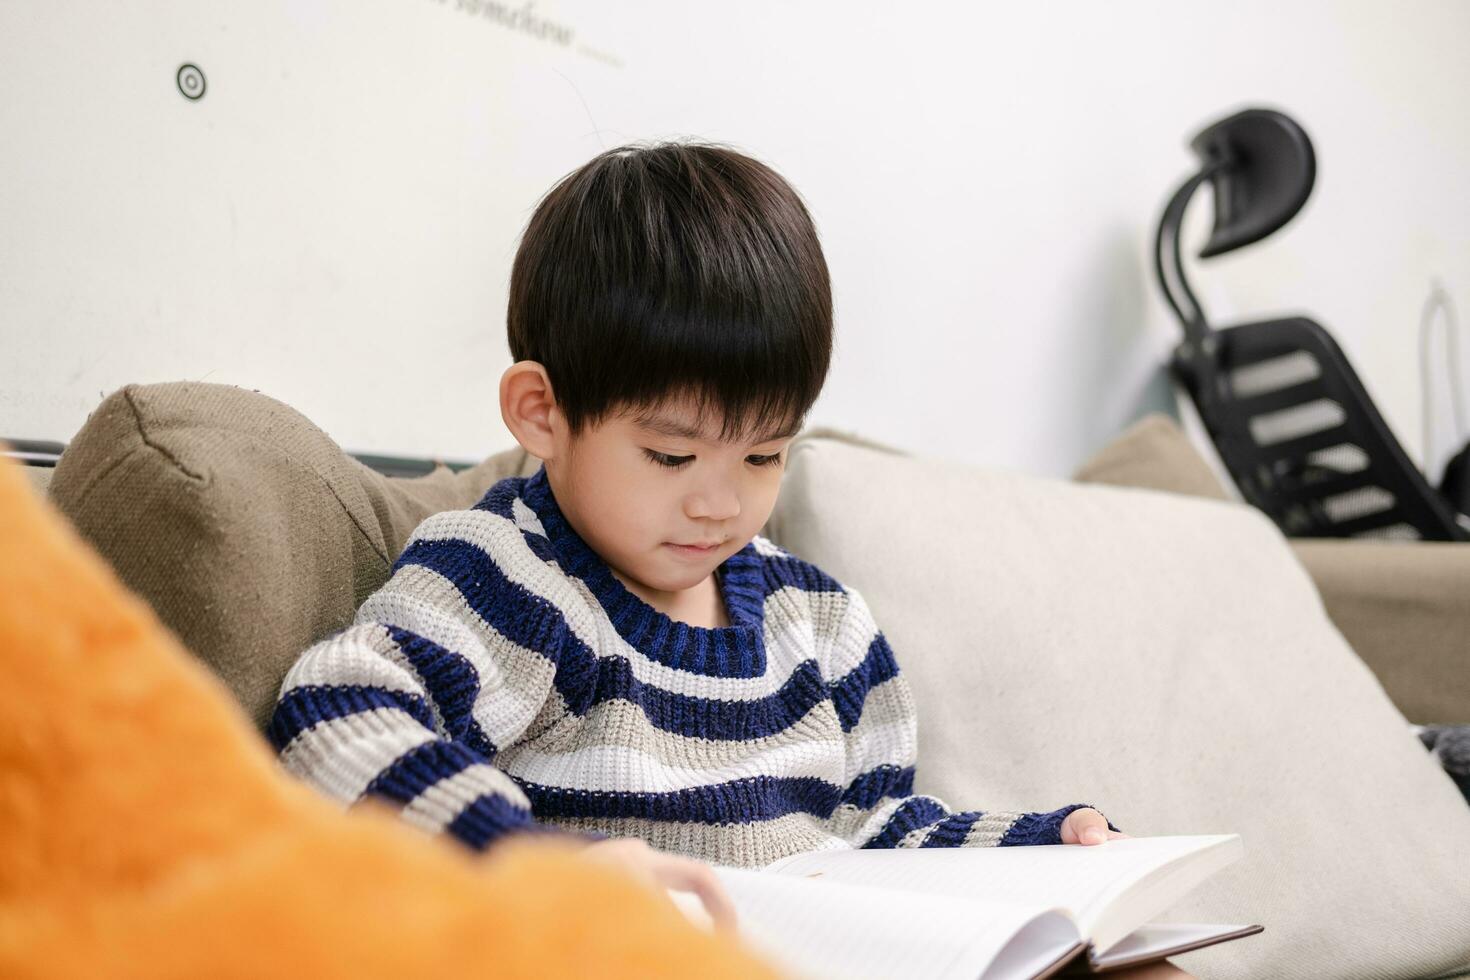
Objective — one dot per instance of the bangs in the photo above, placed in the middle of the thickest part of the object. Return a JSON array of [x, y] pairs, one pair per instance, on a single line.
[[741, 379]]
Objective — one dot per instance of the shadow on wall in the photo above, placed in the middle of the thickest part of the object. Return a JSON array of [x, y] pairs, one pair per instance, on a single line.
[[1110, 340]]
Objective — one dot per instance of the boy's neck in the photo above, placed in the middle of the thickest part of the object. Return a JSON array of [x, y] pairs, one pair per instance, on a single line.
[[700, 605]]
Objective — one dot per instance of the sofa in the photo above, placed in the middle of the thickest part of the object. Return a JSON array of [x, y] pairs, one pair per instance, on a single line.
[[1130, 638]]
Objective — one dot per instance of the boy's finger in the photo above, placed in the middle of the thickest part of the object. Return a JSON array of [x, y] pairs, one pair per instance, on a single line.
[[1085, 826], [700, 880], [718, 904]]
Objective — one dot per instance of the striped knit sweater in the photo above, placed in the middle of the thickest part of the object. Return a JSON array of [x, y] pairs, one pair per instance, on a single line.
[[505, 680]]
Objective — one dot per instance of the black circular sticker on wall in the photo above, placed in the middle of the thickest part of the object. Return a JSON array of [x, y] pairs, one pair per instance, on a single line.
[[191, 82]]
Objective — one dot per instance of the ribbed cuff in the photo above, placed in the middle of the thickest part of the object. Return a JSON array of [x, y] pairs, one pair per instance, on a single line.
[[1043, 828]]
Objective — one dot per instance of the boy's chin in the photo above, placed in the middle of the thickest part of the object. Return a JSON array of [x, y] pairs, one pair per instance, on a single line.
[[681, 582], [679, 574]]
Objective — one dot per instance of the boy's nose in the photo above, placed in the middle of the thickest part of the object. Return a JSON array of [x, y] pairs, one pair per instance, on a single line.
[[712, 504]]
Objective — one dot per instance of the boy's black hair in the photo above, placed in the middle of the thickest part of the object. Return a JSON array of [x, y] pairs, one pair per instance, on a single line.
[[675, 269]]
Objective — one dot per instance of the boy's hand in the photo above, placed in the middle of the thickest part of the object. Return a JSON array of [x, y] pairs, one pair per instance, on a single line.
[[668, 871], [1087, 826]]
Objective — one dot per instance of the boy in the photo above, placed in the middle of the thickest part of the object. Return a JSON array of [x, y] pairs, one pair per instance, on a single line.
[[608, 647]]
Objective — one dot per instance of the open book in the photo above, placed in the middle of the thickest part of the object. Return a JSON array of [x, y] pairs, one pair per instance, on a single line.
[[994, 912]]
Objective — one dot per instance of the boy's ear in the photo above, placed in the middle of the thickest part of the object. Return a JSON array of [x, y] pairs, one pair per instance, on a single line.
[[528, 407]]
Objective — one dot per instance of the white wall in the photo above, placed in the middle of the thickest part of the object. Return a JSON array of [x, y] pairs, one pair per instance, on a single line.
[[333, 223]]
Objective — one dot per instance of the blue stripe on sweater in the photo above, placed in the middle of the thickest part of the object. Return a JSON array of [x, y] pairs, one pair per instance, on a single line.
[[849, 693], [584, 680], [303, 707], [917, 811], [878, 784], [714, 718], [421, 767], [737, 800], [783, 570], [501, 497], [747, 800], [488, 817], [453, 685], [952, 830]]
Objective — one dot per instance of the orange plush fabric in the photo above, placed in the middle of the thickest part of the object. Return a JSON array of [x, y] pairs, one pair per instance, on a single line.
[[147, 830]]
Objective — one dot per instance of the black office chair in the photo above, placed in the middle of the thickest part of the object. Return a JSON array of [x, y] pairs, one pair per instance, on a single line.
[[1292, 423]]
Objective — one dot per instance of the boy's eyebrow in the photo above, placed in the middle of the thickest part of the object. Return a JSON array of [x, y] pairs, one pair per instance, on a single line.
[[673, 427]]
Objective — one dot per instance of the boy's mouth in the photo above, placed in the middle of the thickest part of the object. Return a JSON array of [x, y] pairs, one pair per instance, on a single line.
[[693, 549]]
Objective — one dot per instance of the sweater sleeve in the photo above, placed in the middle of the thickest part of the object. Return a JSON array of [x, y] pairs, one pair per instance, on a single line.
[[880, 724], [413, 702]]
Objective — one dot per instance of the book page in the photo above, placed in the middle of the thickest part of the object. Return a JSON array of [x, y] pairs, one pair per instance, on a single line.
[[1091, 883], [817, 929]]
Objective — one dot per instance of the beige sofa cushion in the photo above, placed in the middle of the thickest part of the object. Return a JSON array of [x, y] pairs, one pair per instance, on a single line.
[[1403, 606], [1167, 659], [251, 533]]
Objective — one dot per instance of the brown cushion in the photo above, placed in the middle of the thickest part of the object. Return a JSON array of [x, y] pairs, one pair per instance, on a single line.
[[251, 533], [1156, 454], [1403, 606]]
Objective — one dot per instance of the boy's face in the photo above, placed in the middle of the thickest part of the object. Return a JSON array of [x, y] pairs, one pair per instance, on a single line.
[[646, 488]]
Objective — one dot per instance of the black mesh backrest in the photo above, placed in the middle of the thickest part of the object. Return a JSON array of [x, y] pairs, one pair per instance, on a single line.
[[1302, 439]]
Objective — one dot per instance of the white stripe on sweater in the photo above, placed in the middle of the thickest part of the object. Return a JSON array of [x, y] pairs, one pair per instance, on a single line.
[[358, 655], [858, 826], [343, 755], [731, 844], [617, 768], [621, 722], [990, 828], [766, 548], [885, 744], [855, 634], [362, 654], [526, 518]]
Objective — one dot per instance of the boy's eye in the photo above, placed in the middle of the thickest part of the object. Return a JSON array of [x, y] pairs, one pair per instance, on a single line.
[[770, 460], [664, 459]]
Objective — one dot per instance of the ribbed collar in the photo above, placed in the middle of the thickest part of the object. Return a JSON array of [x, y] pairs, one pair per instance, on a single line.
[[737, 650]]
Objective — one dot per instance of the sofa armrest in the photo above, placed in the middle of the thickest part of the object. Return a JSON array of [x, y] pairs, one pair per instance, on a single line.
[[249, 531], [1405, 608]]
